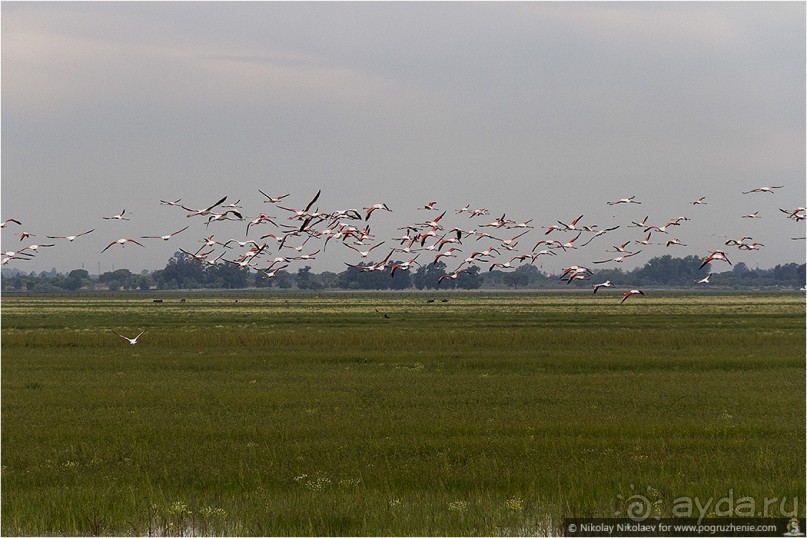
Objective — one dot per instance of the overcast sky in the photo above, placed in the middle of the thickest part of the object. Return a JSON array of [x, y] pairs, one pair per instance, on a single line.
[[536, 110]]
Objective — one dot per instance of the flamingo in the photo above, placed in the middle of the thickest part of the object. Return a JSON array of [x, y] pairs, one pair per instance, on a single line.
[[500, 222], [483, 235], [37, 247], [242, 244], [570, 244], [641, 224], [369, 210], [646, 240], [620, 248], [620, 259], [580, 276], [132, 341], [574, 270], [170, 202], [9, 258], [447, 254], [15, 221], [629, 294], [352, 214], [272, 273], [364, 253], [245, 261], [606, 284], [675, 241], [199, 255], [435, 224], [535, 255], [15, 254], [452, 276], [271, 199], [233, 206], [306, 256], [625, 201], [555, 242], [119, 216], [699, 201], [210, 242], [662, 229], [737, 242], [486, 252], [754, 215], [70, 238], [122, 242], [512, 241], [431, 206], [465, 209], [505, 265], [598, 233], [764, 189], [223, 216], [201, 212], [793, 213], [403, 266], [25, 235], [303, 213], [572, 226], [750, 246], [164, 237], [479, 211], [451, 240], [259, 219], [715, 255]]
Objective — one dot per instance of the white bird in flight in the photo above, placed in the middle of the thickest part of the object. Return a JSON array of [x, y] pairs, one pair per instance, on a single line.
[[164, 237], [764, 189], [132, 341], [119, 216], [122, 242], [70, 238]]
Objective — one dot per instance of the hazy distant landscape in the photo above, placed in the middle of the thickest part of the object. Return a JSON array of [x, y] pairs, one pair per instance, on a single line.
[[183, 273]]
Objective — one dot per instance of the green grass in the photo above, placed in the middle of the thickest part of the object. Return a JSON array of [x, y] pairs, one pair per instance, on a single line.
[[316, 415]]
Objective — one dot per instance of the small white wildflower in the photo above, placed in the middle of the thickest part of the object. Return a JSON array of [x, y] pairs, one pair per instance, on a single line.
[[178, 508], [514, 504]]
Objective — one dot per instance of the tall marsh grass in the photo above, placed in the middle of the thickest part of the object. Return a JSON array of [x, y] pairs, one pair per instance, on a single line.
[[485, 415]]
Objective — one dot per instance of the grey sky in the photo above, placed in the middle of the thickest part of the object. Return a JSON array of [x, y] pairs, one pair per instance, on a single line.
[[541, 111]]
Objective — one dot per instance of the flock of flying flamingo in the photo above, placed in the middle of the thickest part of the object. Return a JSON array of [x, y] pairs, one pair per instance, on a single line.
[[291, 233]]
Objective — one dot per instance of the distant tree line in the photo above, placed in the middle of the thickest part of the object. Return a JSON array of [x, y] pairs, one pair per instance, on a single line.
[[185, 272]]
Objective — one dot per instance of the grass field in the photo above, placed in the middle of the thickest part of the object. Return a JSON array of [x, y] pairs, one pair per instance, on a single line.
[[385, 414]]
